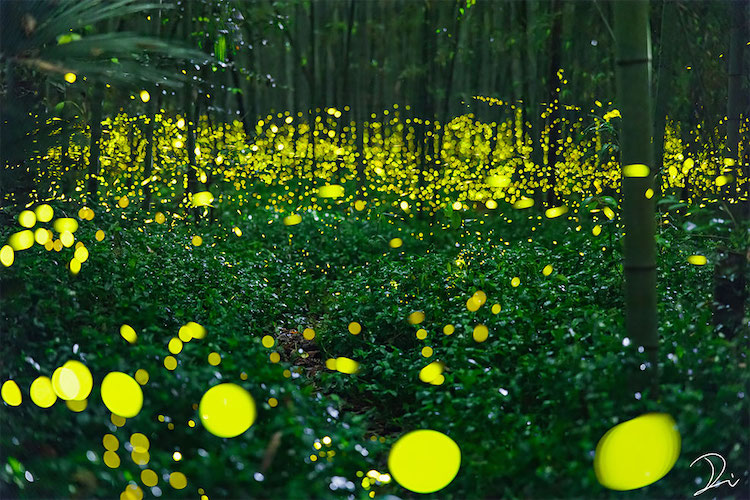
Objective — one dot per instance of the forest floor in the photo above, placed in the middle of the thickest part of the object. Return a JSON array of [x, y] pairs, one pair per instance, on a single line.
[[526, 405]]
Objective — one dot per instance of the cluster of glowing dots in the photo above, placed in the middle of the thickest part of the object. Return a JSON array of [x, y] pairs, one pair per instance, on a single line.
[[227, 410], [424, 461], [342, 365], [432, 373], [637, 452], [187, 332]]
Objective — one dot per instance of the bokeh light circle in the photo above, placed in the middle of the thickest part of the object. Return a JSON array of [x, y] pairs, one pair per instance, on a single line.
[[227, 410], [424, 461], [122, 395], [638, 452]]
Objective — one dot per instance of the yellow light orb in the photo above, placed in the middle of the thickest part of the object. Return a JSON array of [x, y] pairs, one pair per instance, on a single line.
[[636, 170], [159, 218], [292, 220], [41, 236], [123, 202], [227, 410], [145, 96], [111, 459], [44, 213], [416, 317], [449, 329], [21, 240], [197, 241], [637, 452], [424, 461], [547, 270], [76, 406], [346, 365], [496, 308], [697, 260], [170, 363], [82, 254], [175, 345], [332, 191], [141, 376], [202, 199], [267, 341], [515, 282], [177, 480], [122, 395], [27, 219], [523, 203], [551, 213], [70, 77], [11, 393], [431, 372], [355, 328], [42, 393], [427, 351], [110, 442], [149, 478], [65, 224], [67, 239], [214, 359], [359, 205], [480, 333], [396, 243], [7, 255], [99, 235], [308, 334], [128, 333], [72, 381]]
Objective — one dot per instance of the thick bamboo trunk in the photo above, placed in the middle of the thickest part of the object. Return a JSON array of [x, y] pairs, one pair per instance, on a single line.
[[634, 101]]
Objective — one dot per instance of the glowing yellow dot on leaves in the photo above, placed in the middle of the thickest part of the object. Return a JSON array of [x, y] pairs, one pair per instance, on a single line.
[[132, 492], [127, 332], [480, 333], [273, 402], [498, 181], [141, 376], [176, 456], [421, 334], [496, 308], [175, 345], [275, 357], [515, 282], [523, 203], [177, 480], [649, 193], [117, 420], [449, 329], [359, 205], [396, 243], [67, 239], [70, 77], [149, 478], [170, 363], [77, 406], [597, 230], [308, 333], [331, 364], [72, 381], [42, 393], [424, 461], [123, 202], [121, 394], [7, 255], [551, 213], [65, 224], [237, 231], [547, 270], [81, 254], [75, 266], [214, 359], [637, 452], [267, 341], [697, 260], [331, 191], [722, 180], [197, 241], [609, 213], [110, 442], [139, 442], [490, 204], [355, 328], [44, 213], [427, 351], [41, 236], [27, 219], [11, 393], [159, 218], [145, 96], [292, 220], [227, 410], [111, 459], [431, 372], [346, 365], [636, 170], [202, 199], [416, 317], [21, 240]]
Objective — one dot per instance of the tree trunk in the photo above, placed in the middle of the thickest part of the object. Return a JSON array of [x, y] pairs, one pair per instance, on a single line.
[[553, 96], [634, 101]]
